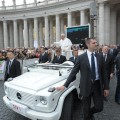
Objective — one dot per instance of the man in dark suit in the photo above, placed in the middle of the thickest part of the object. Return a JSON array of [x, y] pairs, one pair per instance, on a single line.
[[117, 63], [75, 55], [13, 68], [44, 57], [113, 51], [109, 63], [91, 67], [58, 58]]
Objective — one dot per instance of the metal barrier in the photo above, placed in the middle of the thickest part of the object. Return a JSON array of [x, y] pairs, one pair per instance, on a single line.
[[2, 69]]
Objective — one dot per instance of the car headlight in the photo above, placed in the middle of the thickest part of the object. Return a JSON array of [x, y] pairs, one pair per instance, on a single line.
[[43, 100]]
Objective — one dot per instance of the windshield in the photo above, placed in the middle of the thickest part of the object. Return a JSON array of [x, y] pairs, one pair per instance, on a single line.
[[50, 66]]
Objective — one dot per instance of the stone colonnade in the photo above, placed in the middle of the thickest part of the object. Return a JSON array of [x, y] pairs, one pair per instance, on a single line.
[[47, 29]]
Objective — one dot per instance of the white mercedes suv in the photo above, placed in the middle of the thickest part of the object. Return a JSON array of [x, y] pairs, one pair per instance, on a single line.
[[34, 96]]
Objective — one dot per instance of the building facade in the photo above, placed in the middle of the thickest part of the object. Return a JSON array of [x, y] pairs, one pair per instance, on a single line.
[[43, 22]]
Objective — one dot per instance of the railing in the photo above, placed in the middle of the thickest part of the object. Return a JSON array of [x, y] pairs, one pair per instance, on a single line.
[[45, 2]]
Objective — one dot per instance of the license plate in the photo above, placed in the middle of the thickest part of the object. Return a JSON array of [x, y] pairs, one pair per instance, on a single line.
[[21, 109]]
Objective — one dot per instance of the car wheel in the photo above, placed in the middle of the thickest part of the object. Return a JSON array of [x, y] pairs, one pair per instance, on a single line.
[[67, 108]]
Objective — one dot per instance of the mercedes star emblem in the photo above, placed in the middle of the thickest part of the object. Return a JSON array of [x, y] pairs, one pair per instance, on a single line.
[[19, 96]]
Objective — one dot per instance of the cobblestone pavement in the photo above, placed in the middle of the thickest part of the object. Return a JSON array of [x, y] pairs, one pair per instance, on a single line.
[[111, 109]]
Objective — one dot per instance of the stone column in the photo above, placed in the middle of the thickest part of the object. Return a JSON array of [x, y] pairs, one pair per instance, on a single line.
[[62, 24], [25, 33], [46, 31], [87, 17], [1, 36], [82, 17], [41, 32], [118, 29], [36, 31], [51, 31], [69, 19], [15, 33], [11, 35], [107, 25], [113, 26], [101, 23], [31, 41], [74, 20], [57, 28], [21, 42], [5, 33], [35, 2]]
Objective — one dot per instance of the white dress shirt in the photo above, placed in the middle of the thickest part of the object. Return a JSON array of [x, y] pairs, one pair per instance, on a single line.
[[96, 67]]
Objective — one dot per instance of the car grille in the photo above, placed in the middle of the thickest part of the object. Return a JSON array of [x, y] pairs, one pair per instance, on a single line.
[[26, 98]]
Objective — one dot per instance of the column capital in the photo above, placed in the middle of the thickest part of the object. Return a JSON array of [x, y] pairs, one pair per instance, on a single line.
[[69, 12], [57, 14], [102, 1]]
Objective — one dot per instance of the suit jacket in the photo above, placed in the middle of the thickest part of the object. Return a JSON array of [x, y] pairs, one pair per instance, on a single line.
[[44, 58], [82, 65], [60, 61], [15, 69], [114, 53], [109, 64], [72, 59]]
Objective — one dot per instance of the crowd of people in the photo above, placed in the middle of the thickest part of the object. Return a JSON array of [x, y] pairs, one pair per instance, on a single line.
[[29, 53]]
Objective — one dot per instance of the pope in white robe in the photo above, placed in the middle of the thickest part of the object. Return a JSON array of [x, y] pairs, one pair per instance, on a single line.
[[65, 45]]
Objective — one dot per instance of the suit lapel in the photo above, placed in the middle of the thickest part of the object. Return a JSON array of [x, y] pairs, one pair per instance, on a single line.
[[97, 61], [87, 61], [12, 63]]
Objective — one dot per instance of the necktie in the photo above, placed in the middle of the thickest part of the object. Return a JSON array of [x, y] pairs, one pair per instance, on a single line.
[[75, 59], [111, 51], [58, 58], [105, 57], [93, 66], [9, 65]]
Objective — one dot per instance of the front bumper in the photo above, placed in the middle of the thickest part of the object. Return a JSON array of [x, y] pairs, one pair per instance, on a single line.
[[32, 114]]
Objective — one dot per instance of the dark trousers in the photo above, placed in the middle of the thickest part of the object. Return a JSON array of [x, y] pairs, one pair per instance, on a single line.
[[97, 97], [6, 77], [117, 92]]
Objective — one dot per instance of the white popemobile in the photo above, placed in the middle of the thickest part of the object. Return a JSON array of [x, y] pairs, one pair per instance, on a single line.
[[34, 96]]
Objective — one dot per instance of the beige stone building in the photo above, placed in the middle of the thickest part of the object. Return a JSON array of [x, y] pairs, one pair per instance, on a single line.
[[43, 22]]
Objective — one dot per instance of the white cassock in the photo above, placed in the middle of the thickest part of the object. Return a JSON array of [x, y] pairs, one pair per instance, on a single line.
[[66, 47]]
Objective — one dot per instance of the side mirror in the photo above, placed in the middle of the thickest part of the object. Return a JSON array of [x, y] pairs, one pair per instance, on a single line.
[[36, 62]]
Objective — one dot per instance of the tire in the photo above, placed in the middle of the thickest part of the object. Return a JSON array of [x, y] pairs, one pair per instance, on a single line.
[[67, 110]]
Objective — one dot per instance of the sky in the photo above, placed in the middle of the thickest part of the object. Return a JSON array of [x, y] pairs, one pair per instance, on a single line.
[[18, 2]]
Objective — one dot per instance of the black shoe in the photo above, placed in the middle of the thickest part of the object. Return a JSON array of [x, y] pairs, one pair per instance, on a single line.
[[92, 117]]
